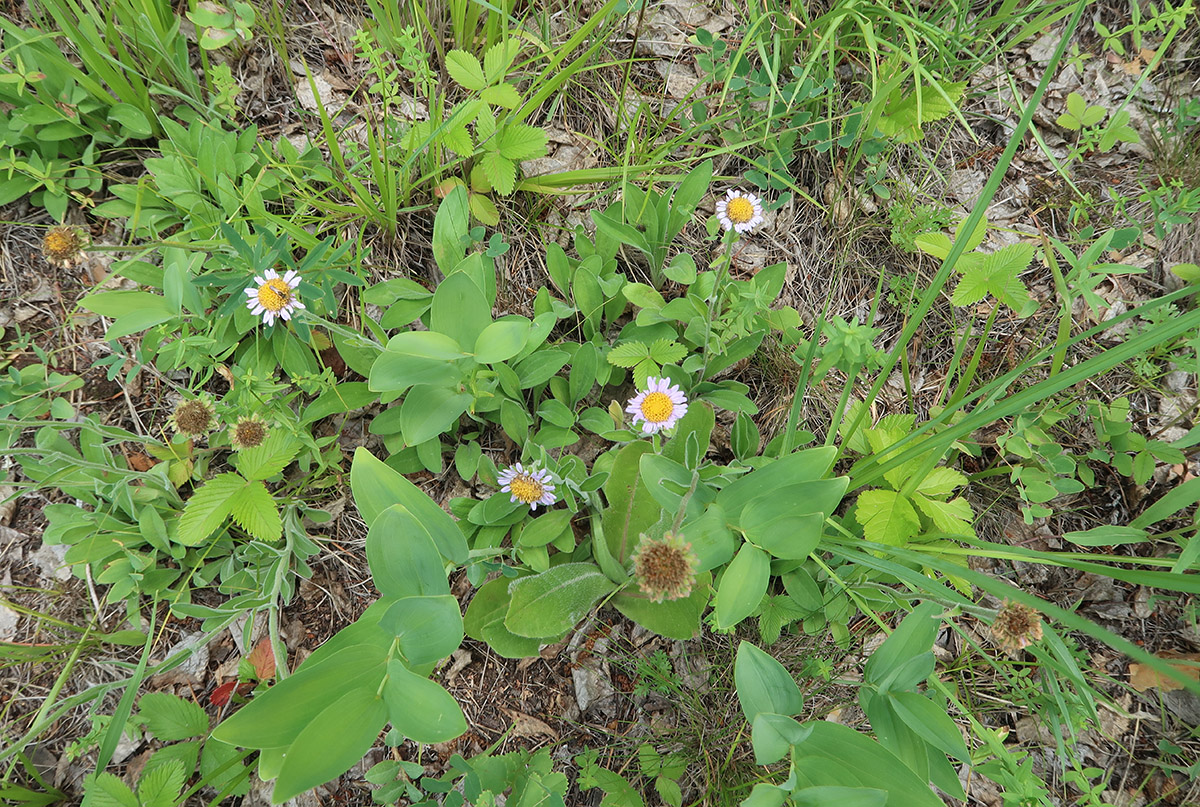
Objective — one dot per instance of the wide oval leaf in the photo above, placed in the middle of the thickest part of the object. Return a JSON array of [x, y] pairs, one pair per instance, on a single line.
[[484, 621], [763, 684], [420, 708], [675, 619], [429, 628], [502, 340], [548, 604]]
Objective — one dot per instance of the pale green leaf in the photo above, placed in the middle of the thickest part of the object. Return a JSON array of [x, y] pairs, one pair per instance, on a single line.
[[170, 718], [954, 516], [270, 458], [886, 517], [547, 604], [466, 70], [500, 171], [627, 354], [941, 481]]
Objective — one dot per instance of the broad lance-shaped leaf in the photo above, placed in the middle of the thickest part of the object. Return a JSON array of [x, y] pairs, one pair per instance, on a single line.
[[403, 558], [763, 684], [742, 585], [377, 486], [548, 604], [420, 708], [333, 741]]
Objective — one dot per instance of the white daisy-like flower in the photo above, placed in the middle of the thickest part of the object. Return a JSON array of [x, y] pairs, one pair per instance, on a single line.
[[274, 296], [740, 211], [659, 407], [529, 486]]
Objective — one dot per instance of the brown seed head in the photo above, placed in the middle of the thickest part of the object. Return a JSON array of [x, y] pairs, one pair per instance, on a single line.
[[193, 417], [249, 432], [665, 567], [1016, 627]]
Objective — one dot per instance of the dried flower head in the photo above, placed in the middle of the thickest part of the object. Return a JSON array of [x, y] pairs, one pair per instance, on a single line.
[[531, 486], [63, 245], [740, 211], [665, 568], [1016, 627], [193, 417], [248, 432], [658, 408], [275, 296]]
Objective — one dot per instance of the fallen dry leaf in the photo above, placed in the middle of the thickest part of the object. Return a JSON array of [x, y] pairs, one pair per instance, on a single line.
[[528, 726], [263, 659], [1143, 677]]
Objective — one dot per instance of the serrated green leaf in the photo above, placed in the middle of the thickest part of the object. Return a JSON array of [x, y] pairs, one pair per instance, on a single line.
[[627, 354], [887, 517], [270, 458], [253, 508], [466, 70], [504, 95], [954, 516], [520, 141], [161, 786], [941, 481], [208, 508], [172, 718], [499, 58], [107, 790], [667, 351], [971, 288], [500, 171]]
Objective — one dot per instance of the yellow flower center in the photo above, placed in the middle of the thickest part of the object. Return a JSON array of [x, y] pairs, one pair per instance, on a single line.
[[275, 294], [740, 210], [657, 407], [527, 489], [59, 243]]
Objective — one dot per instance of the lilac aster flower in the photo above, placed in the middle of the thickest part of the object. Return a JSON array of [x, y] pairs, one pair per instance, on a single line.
[[529, 486], [659, 407], [274, 296]]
